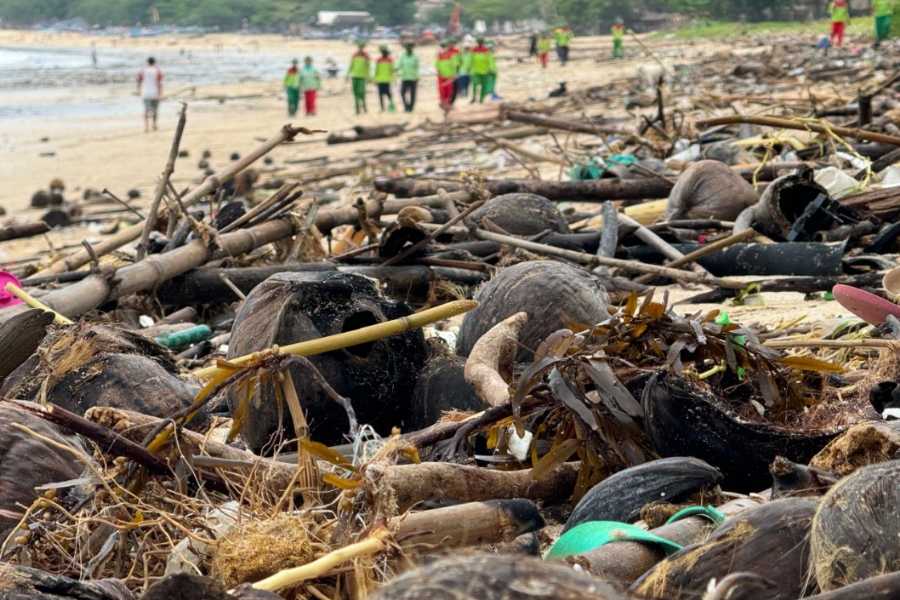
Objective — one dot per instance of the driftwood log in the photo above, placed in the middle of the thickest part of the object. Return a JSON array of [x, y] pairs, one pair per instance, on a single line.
[[24, 583], [14, 232], [585, 191], [437, 481]]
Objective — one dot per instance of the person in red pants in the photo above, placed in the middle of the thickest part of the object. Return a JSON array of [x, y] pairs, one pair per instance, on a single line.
[[447, 66], [840, 16], [310, 84]]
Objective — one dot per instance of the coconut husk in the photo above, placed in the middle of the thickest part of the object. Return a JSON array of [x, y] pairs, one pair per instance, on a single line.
[[377, 377], [27, 461], [441, 387], [771, 540], [498, 577], [555, 295], [709, 189], [97, 365], [24, 583], [861, 445], [196, 587], [520, 214], [856, 529]]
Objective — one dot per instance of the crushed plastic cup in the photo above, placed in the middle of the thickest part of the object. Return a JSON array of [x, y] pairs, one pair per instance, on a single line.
[[7, 299]]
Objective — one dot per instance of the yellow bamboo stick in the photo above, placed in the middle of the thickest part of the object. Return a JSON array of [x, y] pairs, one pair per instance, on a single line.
[[35, 303], [321, 566], [356, 337]]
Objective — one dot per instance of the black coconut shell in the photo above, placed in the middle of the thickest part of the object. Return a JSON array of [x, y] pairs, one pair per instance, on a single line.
[[521, 214], [771, 540], [24, 583], [442, 387], [27, 462], [184, 586], [856, 531], [620, 497], [555, 295], [709, 189], [683, 420], [496, 577], [378, 377]]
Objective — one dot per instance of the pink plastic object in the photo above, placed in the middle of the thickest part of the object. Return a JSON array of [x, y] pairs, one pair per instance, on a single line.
[[865, 305], [7, 299]]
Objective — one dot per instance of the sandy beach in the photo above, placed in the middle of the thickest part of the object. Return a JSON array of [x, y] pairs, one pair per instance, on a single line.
[[90, 135]]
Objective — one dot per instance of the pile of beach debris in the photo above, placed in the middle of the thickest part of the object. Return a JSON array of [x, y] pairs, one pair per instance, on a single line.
[[400, 377]]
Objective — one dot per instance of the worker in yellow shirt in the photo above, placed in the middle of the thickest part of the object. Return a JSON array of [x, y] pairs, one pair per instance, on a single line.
[[618, 36]]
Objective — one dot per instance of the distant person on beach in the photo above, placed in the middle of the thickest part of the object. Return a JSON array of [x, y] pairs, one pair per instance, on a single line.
[[840, 18], [493, 74], [563, 36], [482, 66], [465, 68], [543, 48], [360, 73], [618, 38], [883, 10], [384, 78], [331, 67], [447, 67], [408, 68], [310, 84], [94, 54], [292, 88], [149, 85]]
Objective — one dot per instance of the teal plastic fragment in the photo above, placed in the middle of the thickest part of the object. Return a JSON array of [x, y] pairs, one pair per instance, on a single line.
[[625, 160], [594, 534], [185, 337], [723, 319], [707, 512]]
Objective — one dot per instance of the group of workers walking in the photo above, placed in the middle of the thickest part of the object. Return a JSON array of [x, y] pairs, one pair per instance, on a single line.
[[457, 70], [839, 10], [541, 43]]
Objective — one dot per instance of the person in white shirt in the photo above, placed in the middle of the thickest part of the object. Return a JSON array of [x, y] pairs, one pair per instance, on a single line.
[[149, 82]]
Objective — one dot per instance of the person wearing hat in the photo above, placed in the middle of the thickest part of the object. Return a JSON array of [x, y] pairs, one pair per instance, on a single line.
[[482, 67], [360, 72], [384, 78], [618, 38], [310, 84], [543, 48], [447, 67], [292, 88], [563, 36], [408, 68]]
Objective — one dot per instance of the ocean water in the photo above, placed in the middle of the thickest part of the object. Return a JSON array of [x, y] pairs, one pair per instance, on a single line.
[[63, 83]]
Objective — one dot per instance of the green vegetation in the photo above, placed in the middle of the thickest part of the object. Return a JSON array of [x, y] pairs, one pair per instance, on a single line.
[[227, 14]]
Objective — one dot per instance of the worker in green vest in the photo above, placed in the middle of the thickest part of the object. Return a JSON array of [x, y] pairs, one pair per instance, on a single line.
[[563, 36], [384, 78], [493, 74], [292, 88], [360, 73], [618, 37], [465, 69], [840, 18], [447, 66], [883, 11], [542, 47], [482, 67], [408, 68]]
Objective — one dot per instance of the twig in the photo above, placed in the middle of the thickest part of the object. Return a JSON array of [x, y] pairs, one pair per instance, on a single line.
[[705, 251], [150, 221], [123, 203], [816, 125], [35, 303], [432, 234]]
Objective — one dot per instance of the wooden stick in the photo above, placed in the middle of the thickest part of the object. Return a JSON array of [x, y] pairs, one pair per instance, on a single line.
[[592, 261], [211, 184], [819, 126], [432, 234], [705, 251], [363, 335], [150, 221], [654, 241], [14, 232]]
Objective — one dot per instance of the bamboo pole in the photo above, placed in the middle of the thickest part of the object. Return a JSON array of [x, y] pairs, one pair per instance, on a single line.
[[210, 184], [374, 543], [33, 302], [818, 126], [363, 335]]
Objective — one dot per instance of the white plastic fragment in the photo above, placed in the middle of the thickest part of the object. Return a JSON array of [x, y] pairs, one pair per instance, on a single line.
[[519, 446]]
